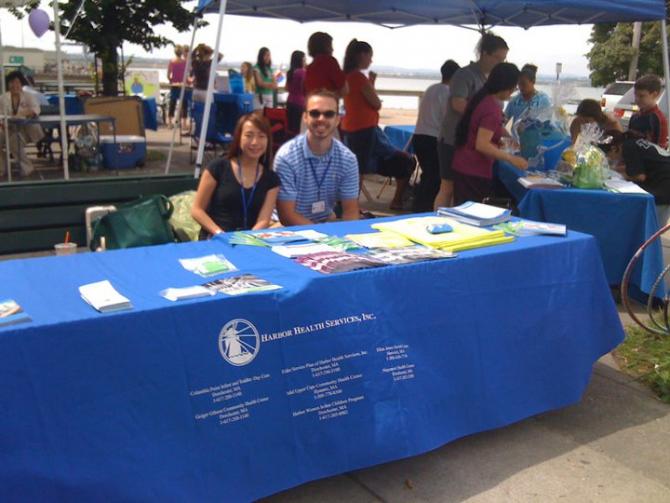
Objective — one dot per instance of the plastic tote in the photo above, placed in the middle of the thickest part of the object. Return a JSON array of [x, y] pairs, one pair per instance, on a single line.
[[129, 151]]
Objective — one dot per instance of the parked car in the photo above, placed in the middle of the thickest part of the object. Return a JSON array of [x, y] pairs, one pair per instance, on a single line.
[[626, 106], [613, 94]]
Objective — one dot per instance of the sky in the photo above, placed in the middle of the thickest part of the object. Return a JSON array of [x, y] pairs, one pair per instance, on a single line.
[[418, 47]]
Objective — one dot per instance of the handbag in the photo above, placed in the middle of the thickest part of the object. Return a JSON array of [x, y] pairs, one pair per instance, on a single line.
[[140, 223]]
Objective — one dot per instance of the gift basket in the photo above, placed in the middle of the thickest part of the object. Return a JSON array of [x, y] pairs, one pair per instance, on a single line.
[[541, 132], [589, 163]]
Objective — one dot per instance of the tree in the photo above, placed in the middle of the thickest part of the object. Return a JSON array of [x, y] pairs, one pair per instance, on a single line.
[[104, 25], [612, 51]]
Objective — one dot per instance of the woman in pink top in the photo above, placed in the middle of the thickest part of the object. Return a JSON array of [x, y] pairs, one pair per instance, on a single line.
[[478, 136], [176, 69], [295, 85]]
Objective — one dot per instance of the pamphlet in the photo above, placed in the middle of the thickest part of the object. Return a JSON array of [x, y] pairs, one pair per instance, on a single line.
[[624, 187], [330, 262], [408, 255], [539, 182], [279, 237], [11, 313], [532, 228], [239, 285], [209, 265], [189, 292], [103, 297], [380, 240], [292, 251], [479, 214]]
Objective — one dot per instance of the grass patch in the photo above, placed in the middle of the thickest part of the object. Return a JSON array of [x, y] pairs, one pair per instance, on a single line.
[[647, 358]]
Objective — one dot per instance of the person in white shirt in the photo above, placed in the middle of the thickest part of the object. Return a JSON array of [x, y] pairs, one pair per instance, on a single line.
[[432, 110], [17, 103]]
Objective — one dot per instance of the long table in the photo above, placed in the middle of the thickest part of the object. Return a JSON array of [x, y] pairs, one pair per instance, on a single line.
[[340, 372], [619, 222]]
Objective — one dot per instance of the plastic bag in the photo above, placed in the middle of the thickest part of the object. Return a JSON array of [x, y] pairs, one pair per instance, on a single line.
[[181, 216], [539, 131], [591, 165]]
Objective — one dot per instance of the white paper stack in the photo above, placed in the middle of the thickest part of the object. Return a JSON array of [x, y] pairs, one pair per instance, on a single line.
[[624, 187], [479, 214], [103, 297], [189, 292]]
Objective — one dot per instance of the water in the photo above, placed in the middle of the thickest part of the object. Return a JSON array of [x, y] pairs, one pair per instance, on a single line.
[[420, 84]]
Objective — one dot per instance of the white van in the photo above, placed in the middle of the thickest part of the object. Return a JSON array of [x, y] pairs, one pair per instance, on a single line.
[[613, 94]]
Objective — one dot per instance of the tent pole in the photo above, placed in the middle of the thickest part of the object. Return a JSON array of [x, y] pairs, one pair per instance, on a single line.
[[210, 88], [666, 66], [5, 113], [61, 94], [182, 92]]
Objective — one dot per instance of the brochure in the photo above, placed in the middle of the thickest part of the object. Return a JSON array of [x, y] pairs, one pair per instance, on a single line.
[[103, 297], [279, 237], [380, 240], [539, 182], [292, 251], [331, 262], [189, 292], [479, 214], [341, 244], [532, 228], [624, 187], [239, 285], [209, 265], [408, 255], [11, 313]]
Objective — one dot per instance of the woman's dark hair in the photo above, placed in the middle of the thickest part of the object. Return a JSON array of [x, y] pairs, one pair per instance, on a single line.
[[297, 59], [529, 71], [15, 75], [503, 77], [591, 109], [490, 43], [614, 138], [319, 43], [260, 61], [353, 53], [257, 119]]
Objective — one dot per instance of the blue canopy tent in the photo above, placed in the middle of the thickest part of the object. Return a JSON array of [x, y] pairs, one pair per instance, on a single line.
[[473, 14]]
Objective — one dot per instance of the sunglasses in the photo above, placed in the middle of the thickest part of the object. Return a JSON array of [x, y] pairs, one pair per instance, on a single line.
[[328, 114]]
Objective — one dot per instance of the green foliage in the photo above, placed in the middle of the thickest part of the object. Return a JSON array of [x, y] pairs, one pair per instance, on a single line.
[[647, 357], [611, 53]]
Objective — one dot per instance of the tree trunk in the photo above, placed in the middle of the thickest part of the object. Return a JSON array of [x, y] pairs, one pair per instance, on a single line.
[[110, 71]]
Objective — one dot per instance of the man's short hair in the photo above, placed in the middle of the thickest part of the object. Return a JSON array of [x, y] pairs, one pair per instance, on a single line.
[[650, 83], [448, 69], [324, 93]]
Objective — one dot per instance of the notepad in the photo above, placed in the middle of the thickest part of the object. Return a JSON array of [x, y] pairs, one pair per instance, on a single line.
[[103, 297]]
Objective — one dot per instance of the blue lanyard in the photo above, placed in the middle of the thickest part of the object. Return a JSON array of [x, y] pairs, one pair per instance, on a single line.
[[318, 182], [247, 204]]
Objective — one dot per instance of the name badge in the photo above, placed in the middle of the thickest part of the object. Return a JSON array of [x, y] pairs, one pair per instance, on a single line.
[[318, 207]]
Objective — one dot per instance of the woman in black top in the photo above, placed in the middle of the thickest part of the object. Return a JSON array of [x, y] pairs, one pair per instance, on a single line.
[[239, 191]]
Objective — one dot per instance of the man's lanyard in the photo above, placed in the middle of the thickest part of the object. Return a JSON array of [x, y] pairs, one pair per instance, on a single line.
[[247, 204], [318, 182]]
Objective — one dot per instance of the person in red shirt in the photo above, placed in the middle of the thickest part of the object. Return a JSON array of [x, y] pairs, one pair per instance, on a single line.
[[649, 121], [361, 132], [478, 135], [324, 71]]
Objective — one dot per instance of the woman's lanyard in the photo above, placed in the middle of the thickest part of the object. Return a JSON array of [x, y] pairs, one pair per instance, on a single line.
[[318, 182], [247, 204], [15, 108]]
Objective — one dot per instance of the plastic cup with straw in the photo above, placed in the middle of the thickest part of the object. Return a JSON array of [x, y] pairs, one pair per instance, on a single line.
[[66, 247]]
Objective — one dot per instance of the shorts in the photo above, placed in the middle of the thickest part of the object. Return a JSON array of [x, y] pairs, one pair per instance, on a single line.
[[445, 155]]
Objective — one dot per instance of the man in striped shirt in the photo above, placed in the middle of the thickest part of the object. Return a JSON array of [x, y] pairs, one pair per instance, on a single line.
[[316, 170]]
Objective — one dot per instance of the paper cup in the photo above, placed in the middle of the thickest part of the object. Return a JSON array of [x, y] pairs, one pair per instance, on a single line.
[[65, 248]]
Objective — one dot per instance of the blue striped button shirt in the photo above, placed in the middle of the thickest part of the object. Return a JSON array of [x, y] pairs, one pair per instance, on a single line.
[[301, 172]]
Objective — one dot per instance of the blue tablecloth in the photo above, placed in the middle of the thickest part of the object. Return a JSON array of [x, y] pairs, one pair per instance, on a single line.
[[619, 222], [349, 370], [400, 136], [150, 113]]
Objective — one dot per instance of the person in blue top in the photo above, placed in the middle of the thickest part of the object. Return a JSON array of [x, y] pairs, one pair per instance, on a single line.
[[315, 169], [528, 96]]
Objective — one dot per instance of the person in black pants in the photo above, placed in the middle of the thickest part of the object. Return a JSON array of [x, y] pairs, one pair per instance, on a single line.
[[431, 114]]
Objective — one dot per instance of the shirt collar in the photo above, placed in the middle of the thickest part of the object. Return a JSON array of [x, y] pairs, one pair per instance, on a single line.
[[308, 154]]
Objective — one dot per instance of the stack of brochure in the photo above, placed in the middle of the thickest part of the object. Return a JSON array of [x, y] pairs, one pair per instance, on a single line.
[[479, 214], [331, 262], [11, 312], [103, 297], [624, 187], [531, 228], [539, 182], [292, 251], [408, 255], [273, 237], [239, 285], [462, 237]]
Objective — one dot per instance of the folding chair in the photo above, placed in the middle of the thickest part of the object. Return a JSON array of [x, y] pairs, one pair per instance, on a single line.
[[278, 118], [215, 136]]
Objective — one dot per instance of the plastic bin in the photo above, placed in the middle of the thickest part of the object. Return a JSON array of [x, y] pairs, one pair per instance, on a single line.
[[128, 152]]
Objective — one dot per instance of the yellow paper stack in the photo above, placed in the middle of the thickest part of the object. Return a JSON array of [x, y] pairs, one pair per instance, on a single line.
[[380, 240], [463, 236]]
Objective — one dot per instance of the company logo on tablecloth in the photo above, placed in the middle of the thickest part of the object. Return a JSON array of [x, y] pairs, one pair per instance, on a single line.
[[239, 342]]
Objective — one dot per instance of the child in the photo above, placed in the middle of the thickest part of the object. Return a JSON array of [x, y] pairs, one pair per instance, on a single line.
[[649, 121]]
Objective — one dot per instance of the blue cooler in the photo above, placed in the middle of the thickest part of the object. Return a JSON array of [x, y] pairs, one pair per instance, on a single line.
[[128, 152]]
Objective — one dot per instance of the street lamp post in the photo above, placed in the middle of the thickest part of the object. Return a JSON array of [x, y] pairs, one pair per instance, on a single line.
[[559, 68]]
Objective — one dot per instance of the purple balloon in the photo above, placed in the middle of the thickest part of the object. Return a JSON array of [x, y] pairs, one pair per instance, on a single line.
[[39, 22]]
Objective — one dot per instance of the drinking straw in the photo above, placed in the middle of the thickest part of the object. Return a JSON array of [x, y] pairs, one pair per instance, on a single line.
[[67, 237]]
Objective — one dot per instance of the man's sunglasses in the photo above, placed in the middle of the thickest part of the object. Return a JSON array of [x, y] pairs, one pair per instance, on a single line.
[[328, 114]]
